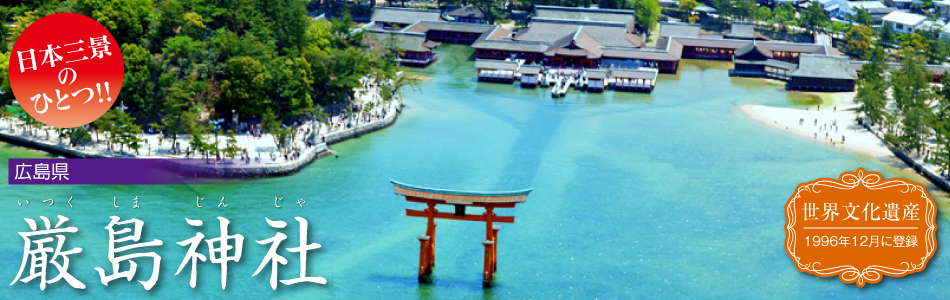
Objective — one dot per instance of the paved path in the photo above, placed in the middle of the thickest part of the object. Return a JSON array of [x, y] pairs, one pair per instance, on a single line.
[[264, 147]]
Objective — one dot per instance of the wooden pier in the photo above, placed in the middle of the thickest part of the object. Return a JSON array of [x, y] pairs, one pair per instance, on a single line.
[[460, 200]]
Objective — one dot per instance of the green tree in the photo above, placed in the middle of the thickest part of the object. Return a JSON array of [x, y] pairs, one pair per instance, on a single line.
[[193, 26], [79, 136], [232, 149], [763, 13], [125, 132], [289, 20], [4, 30], [745, 9], [859, 39], [725, 7], [872, 87], [648, 13], [293, 79], [937, 48], [5, 88], [197, 139], [863, 16], [169, 19], [127, 20], [338, 73], [137, 87], [610, 4], [813, 17], [912, 93], [689, 6], [21, 22], [783, 13], [179, 114], [940, 124], [887, 35], [492, 10], [182, 49], [273, 126], [246, 88], [914, 44], [105, 124]]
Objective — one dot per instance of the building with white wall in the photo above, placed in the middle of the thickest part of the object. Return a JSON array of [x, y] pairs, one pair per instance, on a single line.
[[902, 22]]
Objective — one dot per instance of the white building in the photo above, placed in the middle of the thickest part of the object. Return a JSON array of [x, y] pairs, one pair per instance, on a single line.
[[942, 8], [827, 3], [945, 32], [902, 22], [906, 4], [845, 10], [831, 6]]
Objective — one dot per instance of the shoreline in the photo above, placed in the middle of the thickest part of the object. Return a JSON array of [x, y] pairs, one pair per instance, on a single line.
[[858, 139], [219, 170]]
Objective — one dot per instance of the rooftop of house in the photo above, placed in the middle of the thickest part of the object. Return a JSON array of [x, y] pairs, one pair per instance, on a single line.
[[530, 69], [493, 64], [908, 19], [864, 4], [586, 14], [826, 2], [824, 66], [605, 33], [668, 29], [596, 74], [424, 26], [634, 73], [404, 15], [742, 30], [464, 11], [407, 41]]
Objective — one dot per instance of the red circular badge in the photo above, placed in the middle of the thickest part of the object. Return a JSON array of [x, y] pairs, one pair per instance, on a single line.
[[66, 70]]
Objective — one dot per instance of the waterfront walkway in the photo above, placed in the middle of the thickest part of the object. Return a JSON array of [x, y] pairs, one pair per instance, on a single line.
[[265, 158]]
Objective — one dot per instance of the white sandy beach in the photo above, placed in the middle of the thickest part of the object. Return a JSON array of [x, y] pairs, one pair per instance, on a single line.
[[856, 138]]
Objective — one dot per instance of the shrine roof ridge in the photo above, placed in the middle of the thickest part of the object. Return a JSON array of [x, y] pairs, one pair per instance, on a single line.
[[461, 193]]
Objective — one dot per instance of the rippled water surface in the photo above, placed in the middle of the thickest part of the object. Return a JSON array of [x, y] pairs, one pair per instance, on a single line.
[[665, 195]]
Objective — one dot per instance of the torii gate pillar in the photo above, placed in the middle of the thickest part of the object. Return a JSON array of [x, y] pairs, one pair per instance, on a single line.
[[461, 200]]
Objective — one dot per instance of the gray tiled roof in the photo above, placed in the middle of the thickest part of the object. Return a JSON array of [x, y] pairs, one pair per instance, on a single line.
[[530, 69], [404, 15], [494, 40], [754, 46], [794, 47], [596, 74], [634, 74], [496, 64], [550, 31], [771, 63], [824, 66], [742, 30], [586, 14], [464, 11], [408, 41], [455, 26], [668, 29]]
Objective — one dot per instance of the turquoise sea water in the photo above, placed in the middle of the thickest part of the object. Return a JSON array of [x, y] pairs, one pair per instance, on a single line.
[[665, 195]]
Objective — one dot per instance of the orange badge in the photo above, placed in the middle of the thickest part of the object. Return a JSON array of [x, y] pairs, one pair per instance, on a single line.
[[860, 227]]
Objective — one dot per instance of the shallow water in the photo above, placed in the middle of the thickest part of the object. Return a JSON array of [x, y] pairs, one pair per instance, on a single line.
[[664, 195]]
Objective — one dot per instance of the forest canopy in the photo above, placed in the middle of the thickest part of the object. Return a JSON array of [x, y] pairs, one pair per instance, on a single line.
[[194, 60]]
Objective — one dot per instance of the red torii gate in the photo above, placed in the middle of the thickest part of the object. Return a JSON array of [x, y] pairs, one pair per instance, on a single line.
[[461, 200]]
